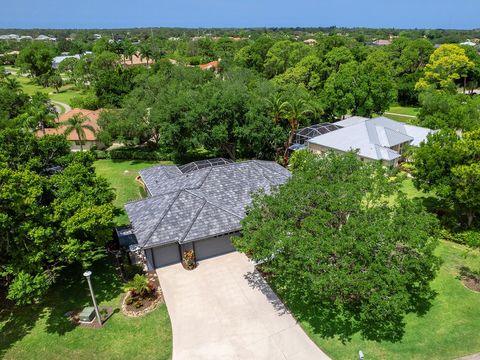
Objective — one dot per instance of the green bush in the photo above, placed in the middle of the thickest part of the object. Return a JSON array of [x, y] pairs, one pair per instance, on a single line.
[[470, 237], [137, 154]]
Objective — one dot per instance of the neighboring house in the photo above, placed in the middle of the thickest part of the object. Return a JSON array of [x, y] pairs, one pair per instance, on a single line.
[[212, 65], [90, 137], [45, 38], [468, 43], [310, 42], [136, 59], [58, 59], [196, 206], [383, 42], [374, 139]]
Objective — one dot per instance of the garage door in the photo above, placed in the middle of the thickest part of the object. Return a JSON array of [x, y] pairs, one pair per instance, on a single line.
[[166, 255], [205, 249]]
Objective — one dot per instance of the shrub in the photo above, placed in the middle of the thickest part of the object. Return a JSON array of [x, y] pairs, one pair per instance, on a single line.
[[139, 285], [470, 237], [129, 301], [143, 153], [138, 304]]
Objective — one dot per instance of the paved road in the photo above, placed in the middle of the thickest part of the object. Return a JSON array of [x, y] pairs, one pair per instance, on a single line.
[[60, 106], [225, 310], [404, 115]]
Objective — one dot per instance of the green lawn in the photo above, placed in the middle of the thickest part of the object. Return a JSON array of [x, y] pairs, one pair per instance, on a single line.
[[65, 94], [43, 331], [449, 330], [121, 175], [405, 110]]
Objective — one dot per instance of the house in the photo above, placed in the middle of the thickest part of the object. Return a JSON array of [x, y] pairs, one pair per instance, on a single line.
[[58, 59], [197, 206], [212, 65], [45, 38], [374, 139], [310, 42], [136, 59], [468, 43], [90, 137], [383, 42]]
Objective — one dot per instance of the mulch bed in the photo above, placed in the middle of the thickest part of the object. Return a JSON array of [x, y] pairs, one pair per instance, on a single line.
[[105, 313], [471, 283], [469, 278], [146, 304]]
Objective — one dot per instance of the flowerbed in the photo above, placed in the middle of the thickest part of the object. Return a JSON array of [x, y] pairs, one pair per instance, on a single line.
[[135, 305]]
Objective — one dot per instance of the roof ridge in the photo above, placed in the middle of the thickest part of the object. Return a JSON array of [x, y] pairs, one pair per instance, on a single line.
[[266, 168], [398, 132], [197, 214], [162, 217], [217, 206], [150, 197]]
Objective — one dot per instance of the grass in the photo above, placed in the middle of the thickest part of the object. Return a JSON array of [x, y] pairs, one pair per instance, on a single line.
[[121, 175], [66, 93], [43, 331], [449, 330], [405, 110]]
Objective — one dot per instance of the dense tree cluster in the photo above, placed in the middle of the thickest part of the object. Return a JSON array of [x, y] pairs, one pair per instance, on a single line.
[[54, 211], [449, 165], [338, 251]]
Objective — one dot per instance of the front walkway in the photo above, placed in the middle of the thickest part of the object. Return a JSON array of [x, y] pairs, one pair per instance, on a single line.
[[225, 310]]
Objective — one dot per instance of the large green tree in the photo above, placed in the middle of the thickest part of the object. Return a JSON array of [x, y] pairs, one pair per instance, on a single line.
[[447, 65], [447, 164], [338, 251], [361, 89], [47, 221], [36, 58]]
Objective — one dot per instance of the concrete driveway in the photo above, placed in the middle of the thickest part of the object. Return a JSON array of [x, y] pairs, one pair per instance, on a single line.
[[225, 310]]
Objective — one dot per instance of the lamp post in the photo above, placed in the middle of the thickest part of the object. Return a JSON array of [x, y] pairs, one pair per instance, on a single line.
[[87, 274]]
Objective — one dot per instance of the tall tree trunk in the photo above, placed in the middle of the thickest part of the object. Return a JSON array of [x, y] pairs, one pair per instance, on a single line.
[[470, 217]]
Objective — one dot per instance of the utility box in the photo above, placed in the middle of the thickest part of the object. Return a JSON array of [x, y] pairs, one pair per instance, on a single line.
[[87, 314]]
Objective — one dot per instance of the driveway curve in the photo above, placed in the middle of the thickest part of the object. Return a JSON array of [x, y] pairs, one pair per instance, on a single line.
[[61, 106], [224, 309]]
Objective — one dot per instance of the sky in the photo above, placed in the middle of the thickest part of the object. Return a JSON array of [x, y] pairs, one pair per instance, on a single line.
[[447, 14]]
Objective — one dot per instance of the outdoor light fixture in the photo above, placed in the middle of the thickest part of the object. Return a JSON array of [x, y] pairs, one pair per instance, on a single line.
[[88, 274]]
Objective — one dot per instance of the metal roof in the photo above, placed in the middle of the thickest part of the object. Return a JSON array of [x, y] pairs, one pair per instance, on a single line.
[[372, 138], [201, 203]]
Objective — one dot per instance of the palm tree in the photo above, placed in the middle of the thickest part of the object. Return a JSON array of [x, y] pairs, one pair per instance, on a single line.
[[13, 84], [295, 111], [278, 108], [77, 123], [40, 117], [146, 51]]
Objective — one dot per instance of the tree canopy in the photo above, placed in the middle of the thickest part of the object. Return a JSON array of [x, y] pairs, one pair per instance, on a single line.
[[48, 218], [448, 165], [338, 251]]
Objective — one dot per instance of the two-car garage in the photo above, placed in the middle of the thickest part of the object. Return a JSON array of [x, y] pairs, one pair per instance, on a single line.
[[165, 255]]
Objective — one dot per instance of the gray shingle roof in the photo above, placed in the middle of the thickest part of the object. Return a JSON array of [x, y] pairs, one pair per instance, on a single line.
[[198, 204]]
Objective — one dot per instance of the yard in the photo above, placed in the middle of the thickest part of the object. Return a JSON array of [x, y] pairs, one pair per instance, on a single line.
[[449, 330], [65, 94], [121, 176], [43, 331]]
